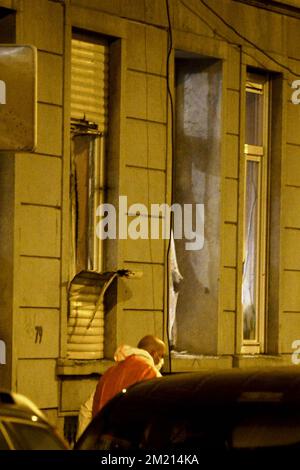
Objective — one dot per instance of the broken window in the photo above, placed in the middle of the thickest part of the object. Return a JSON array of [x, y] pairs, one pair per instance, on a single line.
[[196, 180], [89, 122]]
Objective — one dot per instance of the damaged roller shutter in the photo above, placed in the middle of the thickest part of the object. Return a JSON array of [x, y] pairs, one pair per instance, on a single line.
[[86, 314], [89, 123]]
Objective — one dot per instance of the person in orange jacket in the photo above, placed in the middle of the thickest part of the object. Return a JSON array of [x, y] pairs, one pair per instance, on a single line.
[[134, 365]]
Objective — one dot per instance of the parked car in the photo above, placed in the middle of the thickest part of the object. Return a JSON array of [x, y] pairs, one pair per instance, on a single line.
[[24, 427], [228, 412]]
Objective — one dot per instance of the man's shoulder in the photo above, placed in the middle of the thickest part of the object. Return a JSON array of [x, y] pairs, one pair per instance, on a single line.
[[140, 365], [129, 360], [136, 359], [133, 363]]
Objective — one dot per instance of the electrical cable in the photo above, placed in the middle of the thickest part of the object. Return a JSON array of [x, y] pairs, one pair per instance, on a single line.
[[148, 178], [169, 93], [232, 43], [232, 28], [253, 44]]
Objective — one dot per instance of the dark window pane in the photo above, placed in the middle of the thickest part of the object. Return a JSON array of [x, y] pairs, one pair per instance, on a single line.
[[254, 118]]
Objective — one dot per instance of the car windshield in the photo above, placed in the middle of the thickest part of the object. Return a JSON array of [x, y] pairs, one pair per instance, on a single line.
[[32, 437]]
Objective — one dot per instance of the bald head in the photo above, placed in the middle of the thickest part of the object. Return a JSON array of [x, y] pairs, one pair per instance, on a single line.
[[155, 347]]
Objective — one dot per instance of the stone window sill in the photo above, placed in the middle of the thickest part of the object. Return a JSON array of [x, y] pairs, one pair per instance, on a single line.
[[82, 367], [261, 360]]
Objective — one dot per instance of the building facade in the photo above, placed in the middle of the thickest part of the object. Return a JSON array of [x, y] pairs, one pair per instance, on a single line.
[[152, 102]]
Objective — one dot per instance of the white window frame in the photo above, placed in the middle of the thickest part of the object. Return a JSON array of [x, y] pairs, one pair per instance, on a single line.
[[258, 84]]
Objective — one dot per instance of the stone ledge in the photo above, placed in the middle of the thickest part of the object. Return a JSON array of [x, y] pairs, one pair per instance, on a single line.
[[179, 363], [256, 360], [82, 367], [193, 363]]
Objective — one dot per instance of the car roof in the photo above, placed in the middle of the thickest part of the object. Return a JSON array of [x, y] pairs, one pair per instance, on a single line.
[[214, 398], [272, 384], [216, 388]]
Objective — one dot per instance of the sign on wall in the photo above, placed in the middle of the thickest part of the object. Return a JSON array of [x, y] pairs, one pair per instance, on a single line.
[[18, 72]]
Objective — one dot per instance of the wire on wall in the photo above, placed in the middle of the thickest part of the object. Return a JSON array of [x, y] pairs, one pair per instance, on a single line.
[[235, 31], [148, 175], [169, 94]]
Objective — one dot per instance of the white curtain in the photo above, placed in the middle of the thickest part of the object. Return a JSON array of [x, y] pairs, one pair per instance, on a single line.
[[250, 255], [174, 280]]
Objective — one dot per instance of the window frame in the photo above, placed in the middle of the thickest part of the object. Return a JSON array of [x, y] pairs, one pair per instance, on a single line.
[[258, 83]]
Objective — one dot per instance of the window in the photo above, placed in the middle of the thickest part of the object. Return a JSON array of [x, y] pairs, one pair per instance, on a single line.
[[89, 125], [193, 322], [7, 26], [255, 213], [89, 122]]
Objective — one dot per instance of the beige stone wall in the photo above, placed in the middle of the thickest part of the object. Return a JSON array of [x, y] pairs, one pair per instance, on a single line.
[[230, 189], [290, 281], [145, 156], [38, 214], [197, 29]]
